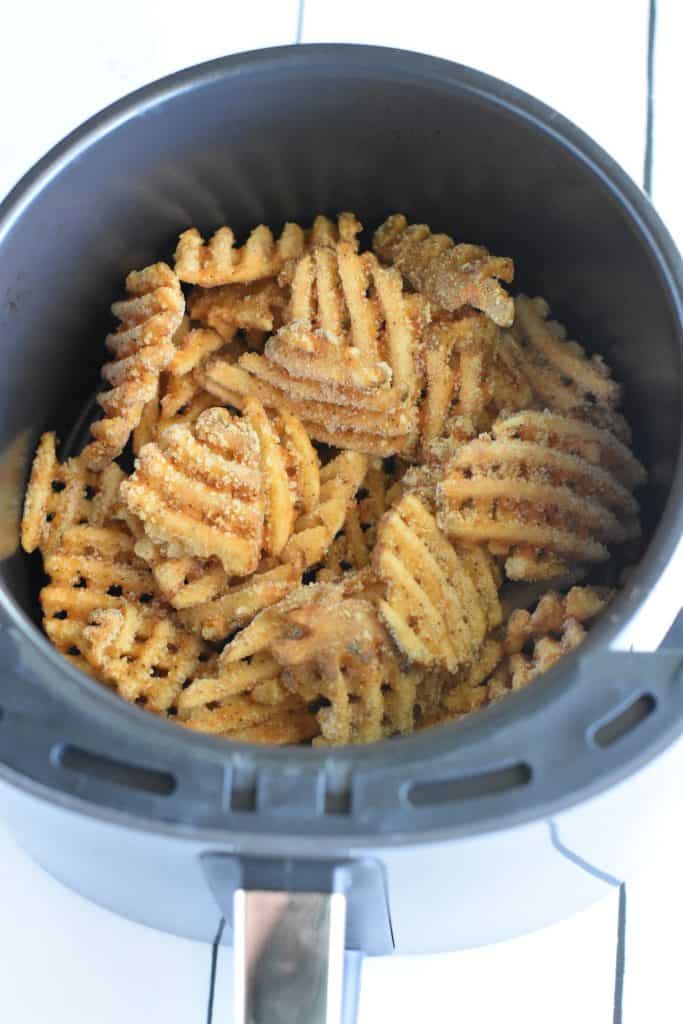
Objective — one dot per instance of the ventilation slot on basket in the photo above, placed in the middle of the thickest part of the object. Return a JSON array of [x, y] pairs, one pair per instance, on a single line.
[[243, 788], [119, 772], [624, 720], [338, 790], [444, 791]]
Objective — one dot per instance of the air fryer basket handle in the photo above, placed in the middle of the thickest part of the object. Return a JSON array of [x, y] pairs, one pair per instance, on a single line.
[[289, 958], [300, 929]]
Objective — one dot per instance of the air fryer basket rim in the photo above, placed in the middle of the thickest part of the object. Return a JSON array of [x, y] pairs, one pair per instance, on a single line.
[[72, 688]]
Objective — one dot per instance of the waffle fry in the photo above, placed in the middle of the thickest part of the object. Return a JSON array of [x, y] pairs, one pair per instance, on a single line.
[[529, 493], [433, 609], [62, 495], [147, 657], [199, 491], [314, 531], [220, 263], [342, 654], [559, 371], [346, 364], [193, 349], [239, 307], [449, 275], [94, 568], [313, 536], [352, 547], [220, 604], [142, 347]]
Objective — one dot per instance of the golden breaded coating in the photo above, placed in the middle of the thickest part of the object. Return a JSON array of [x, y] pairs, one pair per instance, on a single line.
[[314, 531], [62, 495], [146, 656], [449, 275], [199, 491], [219, 262], [559, 371], [341, 652], [346, 363], [94, 567], [193, 349], [568, 434], [352, 546], [433, 609], [552, 613], [535, 494], [142, 347], [239, 307]]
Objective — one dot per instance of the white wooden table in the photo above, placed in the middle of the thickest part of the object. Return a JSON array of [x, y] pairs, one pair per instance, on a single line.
[[65, 960]]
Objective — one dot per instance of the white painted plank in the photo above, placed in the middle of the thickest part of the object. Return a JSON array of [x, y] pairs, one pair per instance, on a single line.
[[564, 973], [668, 140], [62, 62], [653, 916], [586, 58], [63, 959]]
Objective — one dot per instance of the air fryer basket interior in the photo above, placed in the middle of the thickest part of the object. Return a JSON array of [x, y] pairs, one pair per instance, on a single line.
[[281, 135]]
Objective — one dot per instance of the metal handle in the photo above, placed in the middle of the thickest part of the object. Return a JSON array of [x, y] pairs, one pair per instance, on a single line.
[[290, 961]]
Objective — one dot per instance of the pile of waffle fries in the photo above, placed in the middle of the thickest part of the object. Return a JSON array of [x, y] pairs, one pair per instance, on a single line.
[[342, 464]]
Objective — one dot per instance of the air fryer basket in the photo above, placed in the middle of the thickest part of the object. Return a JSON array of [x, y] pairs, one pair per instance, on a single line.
[[278, 135]]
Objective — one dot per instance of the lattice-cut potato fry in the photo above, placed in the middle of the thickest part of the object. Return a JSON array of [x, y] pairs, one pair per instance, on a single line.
[[62, 495], [199, 491], [568, 434], [146, 656], [552, 613], [341, 652], [449, 275], [433, 609], [560, 373], [528, 493], [193, 349], [142, 347], [94, 567], [314, 531], [278, 496], [257, 306], [236, 604], [347, 362], [220, 262], [352, 547]]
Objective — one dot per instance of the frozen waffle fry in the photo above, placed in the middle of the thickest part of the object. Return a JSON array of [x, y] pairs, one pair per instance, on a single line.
[[527, 493], [147, 657], [142, 347], [199, 491], [449, 275], [559, 371], [62, 495], [314, 531], [352, 547], [433, 609], [245, 307], [193, 349], [342, 654], [220, 262], [95, 567]]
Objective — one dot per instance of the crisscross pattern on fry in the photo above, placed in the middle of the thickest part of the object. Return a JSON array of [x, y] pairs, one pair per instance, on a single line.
[[199, 491], [433, 609], [559, 371], [142, 347], [450, 275], [147, 656], [61, 495]]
